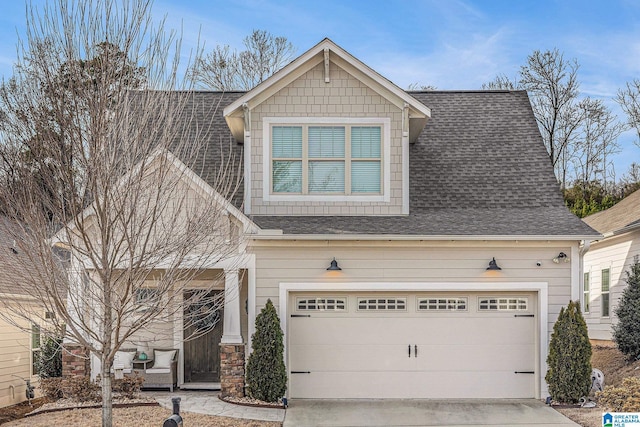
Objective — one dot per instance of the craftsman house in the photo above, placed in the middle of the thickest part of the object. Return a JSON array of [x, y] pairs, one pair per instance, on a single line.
[[606, 262], [407, 239]]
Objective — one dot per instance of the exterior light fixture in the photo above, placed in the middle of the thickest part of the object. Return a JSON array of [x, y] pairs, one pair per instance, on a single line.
[[334, 266], [561, 257], [493, 265]]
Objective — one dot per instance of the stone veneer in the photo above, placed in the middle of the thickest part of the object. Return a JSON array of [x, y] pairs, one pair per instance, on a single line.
[[232, 370], [75, 361]]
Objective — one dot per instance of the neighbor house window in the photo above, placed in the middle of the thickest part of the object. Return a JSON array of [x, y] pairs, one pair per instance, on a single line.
[[327, 159], [605, 293], [35, 348], [585, 293]]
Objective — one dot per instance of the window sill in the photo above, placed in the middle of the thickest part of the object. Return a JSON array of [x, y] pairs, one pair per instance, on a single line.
[[326, 198]]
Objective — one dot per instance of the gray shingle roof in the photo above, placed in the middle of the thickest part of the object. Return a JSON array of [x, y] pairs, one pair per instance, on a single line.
[[478, 168]]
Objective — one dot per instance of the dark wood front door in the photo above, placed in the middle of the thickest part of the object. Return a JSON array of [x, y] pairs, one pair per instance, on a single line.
[[202, 354]]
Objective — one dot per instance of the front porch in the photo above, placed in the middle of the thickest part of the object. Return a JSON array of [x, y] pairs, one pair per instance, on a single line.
[[212, 358]]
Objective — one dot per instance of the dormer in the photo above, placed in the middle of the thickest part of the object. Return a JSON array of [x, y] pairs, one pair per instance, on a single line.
[[326, 135]]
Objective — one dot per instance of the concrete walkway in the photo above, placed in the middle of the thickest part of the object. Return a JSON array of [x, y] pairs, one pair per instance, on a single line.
[[413, 412], [207, 402]]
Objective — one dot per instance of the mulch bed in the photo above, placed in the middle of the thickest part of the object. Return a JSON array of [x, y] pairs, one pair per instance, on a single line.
[[15, 412]]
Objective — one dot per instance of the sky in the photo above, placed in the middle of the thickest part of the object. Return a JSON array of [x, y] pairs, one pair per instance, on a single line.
[[449, 44]]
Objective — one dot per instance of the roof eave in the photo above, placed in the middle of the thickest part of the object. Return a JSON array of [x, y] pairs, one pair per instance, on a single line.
[[279, 235]]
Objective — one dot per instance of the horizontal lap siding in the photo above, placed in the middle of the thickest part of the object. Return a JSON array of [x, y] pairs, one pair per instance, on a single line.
[[362, 262], [616, 254], [15, 359]]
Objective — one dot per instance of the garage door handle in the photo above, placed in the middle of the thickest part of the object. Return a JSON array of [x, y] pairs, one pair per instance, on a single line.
[[524, 315], [415, 350], [300, 372], [524, 372], [409, 350]]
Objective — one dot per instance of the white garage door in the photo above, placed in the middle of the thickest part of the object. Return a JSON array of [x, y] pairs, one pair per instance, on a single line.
[[462, 345]]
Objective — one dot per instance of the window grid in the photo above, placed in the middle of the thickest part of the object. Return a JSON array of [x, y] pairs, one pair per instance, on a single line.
[[328, 159], [585, 293], [442, 304], [503, 304], [382, 304], [605, 292], [321, 304]]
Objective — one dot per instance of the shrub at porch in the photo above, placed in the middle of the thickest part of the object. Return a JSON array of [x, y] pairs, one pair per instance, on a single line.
[[626, 333], [569, 359], [266, 373], [81, 389]]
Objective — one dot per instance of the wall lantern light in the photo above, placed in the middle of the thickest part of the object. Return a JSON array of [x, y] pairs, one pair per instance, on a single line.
[[493, 265], [334, 266], [561, 257]]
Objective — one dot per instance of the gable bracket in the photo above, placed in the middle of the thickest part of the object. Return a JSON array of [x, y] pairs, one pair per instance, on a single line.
[[405, 120], [327, 78], [247, 120]]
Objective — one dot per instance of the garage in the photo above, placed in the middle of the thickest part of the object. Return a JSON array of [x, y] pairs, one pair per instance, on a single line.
[[412, 345]]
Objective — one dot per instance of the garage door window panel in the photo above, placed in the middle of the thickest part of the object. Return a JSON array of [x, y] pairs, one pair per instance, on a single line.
[[503, 304], [382, 304], [321, 304], [442, 304]]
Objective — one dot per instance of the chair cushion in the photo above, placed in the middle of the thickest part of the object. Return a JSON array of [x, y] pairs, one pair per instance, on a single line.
[[163, 359], [158, 371], [124, 358]]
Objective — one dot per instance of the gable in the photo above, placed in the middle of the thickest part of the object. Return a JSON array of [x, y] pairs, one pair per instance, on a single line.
[[324, 54]]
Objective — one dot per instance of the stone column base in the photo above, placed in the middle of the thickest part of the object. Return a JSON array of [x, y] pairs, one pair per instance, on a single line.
[[232, 370], [75, 361]]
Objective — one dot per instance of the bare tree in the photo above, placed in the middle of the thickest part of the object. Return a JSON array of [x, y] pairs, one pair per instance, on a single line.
[[596, 141], [225, 69], [501, 82], [553, 86], [418, 86], [629, 100], [111, 220]]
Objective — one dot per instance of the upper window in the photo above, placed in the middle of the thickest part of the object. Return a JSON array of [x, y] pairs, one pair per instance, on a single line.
[[327, 159], [605, 293]]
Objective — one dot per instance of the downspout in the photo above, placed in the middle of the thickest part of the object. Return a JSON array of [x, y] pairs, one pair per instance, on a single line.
[[584, 248]]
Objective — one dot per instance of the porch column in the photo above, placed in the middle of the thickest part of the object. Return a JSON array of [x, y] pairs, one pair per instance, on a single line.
[[232, 348], [231, 324]]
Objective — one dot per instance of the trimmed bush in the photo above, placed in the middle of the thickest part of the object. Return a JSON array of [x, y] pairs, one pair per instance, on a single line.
[[569, 359], [624, 398], [626, 333], [266, 373], [128, 387]]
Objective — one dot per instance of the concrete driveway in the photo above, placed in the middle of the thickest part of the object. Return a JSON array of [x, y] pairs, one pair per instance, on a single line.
[[415, 412]]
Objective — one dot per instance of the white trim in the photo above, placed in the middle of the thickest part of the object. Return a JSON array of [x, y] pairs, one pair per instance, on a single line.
[[385, 123], [247, 175], [576, 260], [251, 296], [405, 174], [542, 289]]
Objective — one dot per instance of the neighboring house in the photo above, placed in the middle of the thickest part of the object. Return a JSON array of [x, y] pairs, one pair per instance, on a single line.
[[441, 212], [606, 262], [19, 340]]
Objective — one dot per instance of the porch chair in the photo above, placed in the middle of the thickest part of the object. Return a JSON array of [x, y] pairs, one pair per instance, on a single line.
[[164, 371]]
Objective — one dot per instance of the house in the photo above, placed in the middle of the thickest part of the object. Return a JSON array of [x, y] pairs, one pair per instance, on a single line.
[[607, 261], [406, 238], [19, 340]]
